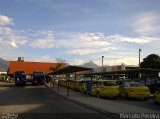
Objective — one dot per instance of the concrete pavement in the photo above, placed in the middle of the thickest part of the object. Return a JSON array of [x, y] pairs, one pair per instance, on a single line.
[[39, 102]]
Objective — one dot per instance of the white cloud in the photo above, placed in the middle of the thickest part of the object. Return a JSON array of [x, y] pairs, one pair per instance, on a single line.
[[86, 43], [83, 40], [41, 39], [5, 31], [147, 23], [15, 43], [80, 51], [44, 58], [96, 40], [108, 49], [93, 43], [90, 51], [4, 20], [128, 60], [21, 41], [43, 43], [77, 62], [11, 38], [139, 40]]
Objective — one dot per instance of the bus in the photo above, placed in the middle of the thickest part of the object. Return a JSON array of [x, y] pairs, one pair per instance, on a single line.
[[20, 78], [38, 77]]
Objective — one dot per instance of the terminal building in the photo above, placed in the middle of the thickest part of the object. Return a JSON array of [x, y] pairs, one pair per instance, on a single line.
[[121, 67], [124, 71], [29, 67]]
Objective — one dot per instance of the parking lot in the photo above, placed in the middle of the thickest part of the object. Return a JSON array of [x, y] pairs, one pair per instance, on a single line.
[[39, 102], [119, 105], [55, 100]]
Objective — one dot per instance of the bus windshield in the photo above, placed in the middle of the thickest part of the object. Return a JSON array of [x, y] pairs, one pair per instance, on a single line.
[[20, 74]]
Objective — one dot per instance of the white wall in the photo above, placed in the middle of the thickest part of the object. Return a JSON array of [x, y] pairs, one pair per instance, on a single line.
[[3, 72]]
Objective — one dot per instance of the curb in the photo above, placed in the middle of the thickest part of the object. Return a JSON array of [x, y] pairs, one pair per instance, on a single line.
[[54, 91], [109, 114]]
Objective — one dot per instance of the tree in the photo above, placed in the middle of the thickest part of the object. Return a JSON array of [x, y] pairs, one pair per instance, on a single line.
[[151, 61], [59, 64]]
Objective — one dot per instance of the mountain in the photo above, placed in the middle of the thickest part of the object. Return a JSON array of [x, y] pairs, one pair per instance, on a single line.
[[3, 65], [90, 65]]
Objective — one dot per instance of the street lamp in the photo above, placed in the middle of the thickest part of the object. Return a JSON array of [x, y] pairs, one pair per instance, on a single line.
[[139, 57], [102, 62], [139, 62]]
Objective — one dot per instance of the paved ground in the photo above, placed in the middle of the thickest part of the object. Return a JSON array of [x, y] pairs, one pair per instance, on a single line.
[[117, 106], [39, 102]]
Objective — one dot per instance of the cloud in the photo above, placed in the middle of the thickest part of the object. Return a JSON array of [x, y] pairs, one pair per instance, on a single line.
[[128, 60], [43, 43], [77, 62], [42, 39], [80, 51], [4, 20], [83, 40], [17, 42], [139, 40], [86, 43], [5, 31], [10, 38], [93, 43], [14, 42], [147, 23], [44, 58], [90, 51], [81, 44], [92, 39]]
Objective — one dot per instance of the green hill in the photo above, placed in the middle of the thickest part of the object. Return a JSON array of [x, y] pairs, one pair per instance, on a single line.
[[3, 65]]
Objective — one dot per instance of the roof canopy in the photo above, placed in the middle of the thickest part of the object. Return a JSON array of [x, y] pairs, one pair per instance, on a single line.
[[70, 69], [142, 70]]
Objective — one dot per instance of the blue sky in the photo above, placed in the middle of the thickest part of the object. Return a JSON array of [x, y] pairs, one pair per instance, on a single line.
[[79, 30]]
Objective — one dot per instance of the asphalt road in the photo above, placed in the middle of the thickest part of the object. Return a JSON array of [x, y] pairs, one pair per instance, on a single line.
[[39, 102]]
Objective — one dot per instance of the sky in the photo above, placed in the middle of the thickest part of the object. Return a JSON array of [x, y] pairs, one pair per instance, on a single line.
[[79, 31]]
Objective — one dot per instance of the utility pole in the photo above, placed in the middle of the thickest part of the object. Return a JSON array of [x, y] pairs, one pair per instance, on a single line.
[[102, 67], [139, 58], [140, 62], [102, 63]]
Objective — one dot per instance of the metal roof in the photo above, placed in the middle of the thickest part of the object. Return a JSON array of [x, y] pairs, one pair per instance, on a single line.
[[142, 70], [29, 67], [70, 69]]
